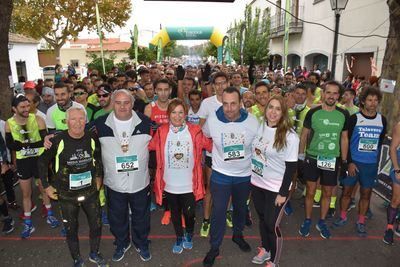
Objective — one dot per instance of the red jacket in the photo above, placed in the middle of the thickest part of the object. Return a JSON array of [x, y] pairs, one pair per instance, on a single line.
[[200, 142]]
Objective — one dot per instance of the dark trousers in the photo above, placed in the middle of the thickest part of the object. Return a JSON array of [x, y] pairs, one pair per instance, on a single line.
[[118, 216], [70, 214], [270, 217], [182, 204], [8, 181], [220, 195]]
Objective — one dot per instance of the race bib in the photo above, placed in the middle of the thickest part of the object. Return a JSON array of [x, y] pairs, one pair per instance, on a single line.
[[233, 146], [30, 152], [257, 167], [80, 180], [126, 163], [367, 145], [326, 163], [178, 154]]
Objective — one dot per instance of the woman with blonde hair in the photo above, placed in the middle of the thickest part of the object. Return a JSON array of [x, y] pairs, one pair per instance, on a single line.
[[274, 164]]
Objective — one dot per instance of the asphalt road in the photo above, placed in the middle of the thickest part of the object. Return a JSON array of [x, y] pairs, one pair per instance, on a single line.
[[46, 247]]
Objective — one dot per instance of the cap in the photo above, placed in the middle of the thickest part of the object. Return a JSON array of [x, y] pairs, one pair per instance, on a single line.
[[18, 99], [47, 91], [105, 88], [29, 85]]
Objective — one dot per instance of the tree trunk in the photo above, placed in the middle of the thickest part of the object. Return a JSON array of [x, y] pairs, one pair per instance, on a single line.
[[57, 50], [391, 67], [5, 71]]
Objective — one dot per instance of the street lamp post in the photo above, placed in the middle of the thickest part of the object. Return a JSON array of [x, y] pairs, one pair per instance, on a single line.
[[337, 6]]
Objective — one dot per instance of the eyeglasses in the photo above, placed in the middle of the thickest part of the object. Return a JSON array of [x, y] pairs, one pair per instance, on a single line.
[[79, 93], [103, 95], [132, 88]]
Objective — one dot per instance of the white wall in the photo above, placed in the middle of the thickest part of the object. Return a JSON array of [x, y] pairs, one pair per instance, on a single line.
[[29, 54], [360, 17]]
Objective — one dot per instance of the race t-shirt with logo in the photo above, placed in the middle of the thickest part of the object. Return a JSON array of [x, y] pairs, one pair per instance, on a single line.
[[326, 128], [366, 135], [231, 153], [298, 115], [55, 117], [193, 117], [267, 164], [179, 162]]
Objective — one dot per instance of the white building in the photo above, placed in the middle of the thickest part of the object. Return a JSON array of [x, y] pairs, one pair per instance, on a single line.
[[311, 44], [23, 55]]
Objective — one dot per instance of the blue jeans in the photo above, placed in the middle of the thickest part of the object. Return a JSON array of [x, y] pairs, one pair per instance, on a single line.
[[118, 212], [220, 197]]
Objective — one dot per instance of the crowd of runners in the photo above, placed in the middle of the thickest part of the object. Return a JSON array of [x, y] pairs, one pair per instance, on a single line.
[[224, 137]]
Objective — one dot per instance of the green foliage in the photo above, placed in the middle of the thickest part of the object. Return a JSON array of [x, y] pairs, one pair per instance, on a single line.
[[169, 49], [254, 33], [180, 50], [210, 50], [96, 63]]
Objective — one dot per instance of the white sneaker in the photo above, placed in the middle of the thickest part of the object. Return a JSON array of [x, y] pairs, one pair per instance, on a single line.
[[262, 256]]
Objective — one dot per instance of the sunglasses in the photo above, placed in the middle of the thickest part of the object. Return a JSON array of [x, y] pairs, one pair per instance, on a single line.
[[132, 88], [79, 93], [103, 95]]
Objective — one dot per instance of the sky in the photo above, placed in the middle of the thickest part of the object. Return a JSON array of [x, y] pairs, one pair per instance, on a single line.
[[148, 15]]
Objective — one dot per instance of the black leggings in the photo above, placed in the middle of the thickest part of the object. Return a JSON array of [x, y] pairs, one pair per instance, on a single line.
[[70, 216], [178, 204], [8, 180], [270, 217]]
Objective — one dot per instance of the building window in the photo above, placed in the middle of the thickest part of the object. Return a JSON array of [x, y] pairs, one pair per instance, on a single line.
[[75, 63]]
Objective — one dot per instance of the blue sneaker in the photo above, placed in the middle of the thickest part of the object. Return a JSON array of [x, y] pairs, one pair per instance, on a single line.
[[153, 206], [178, 246], [323, 230], [52, 221], [188, 241], [360, 227], [339, 222], [78, 263], [305, 228], [120, 252], [144, 254], [288, 209], [28, 230], [104, 218], [96, 257]]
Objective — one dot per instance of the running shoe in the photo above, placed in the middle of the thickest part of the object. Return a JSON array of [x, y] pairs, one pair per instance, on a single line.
[[361, 231], [188, 241], [97, 258], [270, 264], [305, 228], [388, 237], [209, 259], [288, 209], [144, 254], [249, 220], [153, 206], [178, 246], [369, 214], [331, 213], [242, 244], [28, 230], [352, 204], [229, 222], [104, 218], [8, 226], [14, 205], [262, 256], [120, 252], [79, 263], [205, 228], [52, 221], [397, 231], [165, 220], [339, 222], [316, 204], [323, 230]]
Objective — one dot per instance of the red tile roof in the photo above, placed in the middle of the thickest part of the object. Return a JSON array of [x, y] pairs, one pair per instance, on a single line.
[[94, 41], [121, 46]]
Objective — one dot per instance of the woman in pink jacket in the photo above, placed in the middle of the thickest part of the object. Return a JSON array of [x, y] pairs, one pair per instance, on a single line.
[[178, 147]]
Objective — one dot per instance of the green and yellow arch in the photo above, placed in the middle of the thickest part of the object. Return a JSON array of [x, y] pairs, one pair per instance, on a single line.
[[168, 34]]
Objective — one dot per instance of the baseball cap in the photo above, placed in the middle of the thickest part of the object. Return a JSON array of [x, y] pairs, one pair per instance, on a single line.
[[105, 88], [47, 91], [29, 85]]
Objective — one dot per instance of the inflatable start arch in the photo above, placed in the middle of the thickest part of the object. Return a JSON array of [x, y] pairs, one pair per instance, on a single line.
[[190, 33]]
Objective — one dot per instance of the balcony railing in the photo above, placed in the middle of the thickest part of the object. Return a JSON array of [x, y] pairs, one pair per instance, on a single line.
[[278, 22]]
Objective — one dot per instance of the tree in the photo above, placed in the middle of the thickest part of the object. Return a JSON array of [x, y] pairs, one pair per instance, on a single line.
[[96, 63], [249, 38], [210, 50], [56, 21], [169, 49], [5, 70], [391, 66], [145, 54]]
